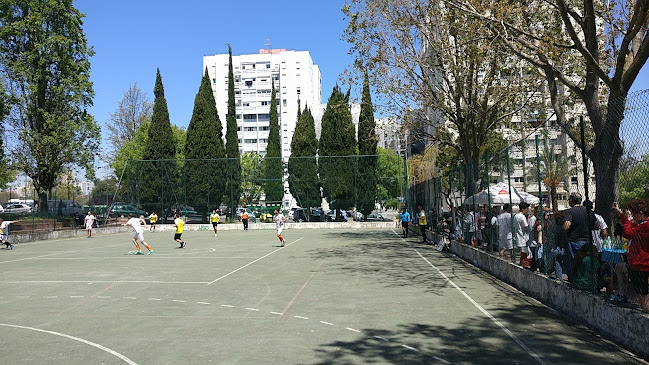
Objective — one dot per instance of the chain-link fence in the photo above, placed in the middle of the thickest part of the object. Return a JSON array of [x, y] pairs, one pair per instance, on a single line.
[[515, 203], [322, 188]]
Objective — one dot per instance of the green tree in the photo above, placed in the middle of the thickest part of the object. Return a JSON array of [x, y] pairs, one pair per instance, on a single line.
[[273, 166], [204, 176], [336, 149], [234, 186], [303, 182], [366, 185], [390, 175], [465, 85], [45, 66], [159, 174], [589, 51], [251, 178], [7, 173], [103, 191], [634, 181]]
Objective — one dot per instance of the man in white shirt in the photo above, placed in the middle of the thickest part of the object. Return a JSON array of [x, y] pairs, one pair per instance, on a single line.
[[4, 232], [279, 220], [504, 226], [521, 232], [137, 224], [89, 220]]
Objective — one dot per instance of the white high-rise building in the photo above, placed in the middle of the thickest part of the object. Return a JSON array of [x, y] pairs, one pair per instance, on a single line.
[[296, 78]]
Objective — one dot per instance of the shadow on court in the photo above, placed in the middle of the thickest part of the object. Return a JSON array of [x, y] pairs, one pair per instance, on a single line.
[[382, 258], [477, 341]]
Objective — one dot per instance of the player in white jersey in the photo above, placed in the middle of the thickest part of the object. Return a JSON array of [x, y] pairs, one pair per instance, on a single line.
[[137, 224], [4, 233], [89, 220], [279, 220]]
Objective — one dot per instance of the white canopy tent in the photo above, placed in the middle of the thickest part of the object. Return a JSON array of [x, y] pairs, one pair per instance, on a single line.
[[498, 194]]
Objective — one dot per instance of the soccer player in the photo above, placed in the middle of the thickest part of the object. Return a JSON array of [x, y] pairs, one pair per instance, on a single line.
[[244, 219], [4, 227], [214, 217], [180, 226], [279, 220], [89, 220], [137, 224], [153, 218], [404, 217]]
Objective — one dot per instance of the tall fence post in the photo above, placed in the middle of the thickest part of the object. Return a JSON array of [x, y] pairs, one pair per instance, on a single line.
[[544, 245]]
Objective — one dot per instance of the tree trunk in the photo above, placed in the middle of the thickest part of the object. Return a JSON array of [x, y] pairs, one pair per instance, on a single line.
[[605, 156], [553, 198], [42, 202]]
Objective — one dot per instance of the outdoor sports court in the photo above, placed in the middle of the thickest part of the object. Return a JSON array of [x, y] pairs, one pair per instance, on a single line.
[[352, 296]]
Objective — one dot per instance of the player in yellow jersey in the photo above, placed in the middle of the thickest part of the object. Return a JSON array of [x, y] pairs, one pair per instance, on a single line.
[[180, 226], [153, 218], [214, 218]]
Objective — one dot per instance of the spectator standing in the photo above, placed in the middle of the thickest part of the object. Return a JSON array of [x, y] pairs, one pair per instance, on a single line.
[[423, 223], [576, 226], [637, 231], [504, 226], [560, 250], [469, 224], [521, 232], [600, 233]]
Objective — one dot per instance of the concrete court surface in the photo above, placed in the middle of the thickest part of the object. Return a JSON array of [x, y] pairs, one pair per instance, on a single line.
[[330, 297]]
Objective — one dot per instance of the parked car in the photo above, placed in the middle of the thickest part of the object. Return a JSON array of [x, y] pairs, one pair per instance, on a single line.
[[374, 216], [64, 208], [189, 213], [19, 208], [315, 215], [123, 209]]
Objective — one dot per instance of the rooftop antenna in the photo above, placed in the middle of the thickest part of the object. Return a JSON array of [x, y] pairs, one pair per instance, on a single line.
[[268, 45]]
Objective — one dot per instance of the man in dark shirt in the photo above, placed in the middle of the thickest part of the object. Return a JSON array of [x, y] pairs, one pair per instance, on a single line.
[[576, 226]]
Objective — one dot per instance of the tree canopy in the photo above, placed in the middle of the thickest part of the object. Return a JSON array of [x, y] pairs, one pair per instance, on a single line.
[[232, 141], [45, 67], [303, 181], [273, 165]]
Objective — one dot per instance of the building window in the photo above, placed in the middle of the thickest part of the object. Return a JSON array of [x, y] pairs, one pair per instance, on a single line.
[[298, 91], [246, 104], [238, 129], [263, 140], [249, 140], [248, 83], [250, 117], [250, 129], [283, 102], [264, 116], [265, 128], [214, 81], [268, 65], [264, 103]]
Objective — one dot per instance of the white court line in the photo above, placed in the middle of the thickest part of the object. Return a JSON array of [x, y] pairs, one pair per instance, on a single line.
[[227, 306], [58, 253], [300, 317], [327, 323], [206, 303], [353, 330], [252, 262], [104, 281], [381, 338], [155, 299], [279, 314], [76, 296], [410, 348], [129, 298], [441, 360], [484, 311], [252, 309], [179, 301], [114, 353]]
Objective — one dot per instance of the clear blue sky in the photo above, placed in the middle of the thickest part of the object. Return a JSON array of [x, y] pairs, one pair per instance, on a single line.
[[133, 38]]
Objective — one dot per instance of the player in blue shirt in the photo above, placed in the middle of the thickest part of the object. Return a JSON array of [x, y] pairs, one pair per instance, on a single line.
[[404, 217]]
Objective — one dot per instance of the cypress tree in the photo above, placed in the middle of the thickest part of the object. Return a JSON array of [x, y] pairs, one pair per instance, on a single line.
[[233, 172], [367, 161], [273, 167], [303, 182], [159, 176], [338, 138], [204, 144]]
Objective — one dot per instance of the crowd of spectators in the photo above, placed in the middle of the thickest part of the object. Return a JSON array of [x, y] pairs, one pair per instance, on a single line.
[[567, 245]]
